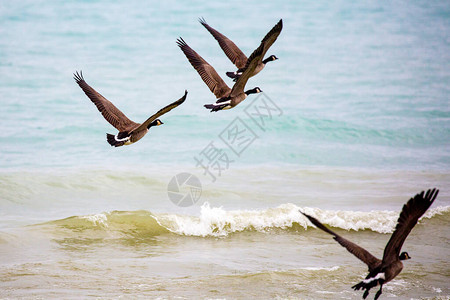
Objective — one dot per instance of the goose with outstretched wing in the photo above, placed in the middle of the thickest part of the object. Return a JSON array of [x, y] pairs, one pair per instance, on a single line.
[[383, 271], [227, 97], [129, 131], [235, 54]]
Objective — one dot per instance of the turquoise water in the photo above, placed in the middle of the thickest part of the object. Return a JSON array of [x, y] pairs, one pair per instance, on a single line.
[[359, 85], [361, 122]]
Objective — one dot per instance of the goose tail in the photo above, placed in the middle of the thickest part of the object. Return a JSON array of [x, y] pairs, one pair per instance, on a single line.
[[363, 286], [368, 283], [111, 138], [234, 75], [215, 107]]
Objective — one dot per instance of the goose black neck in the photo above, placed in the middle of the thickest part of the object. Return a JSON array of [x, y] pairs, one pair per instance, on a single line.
[[154, 123], [267, 60]]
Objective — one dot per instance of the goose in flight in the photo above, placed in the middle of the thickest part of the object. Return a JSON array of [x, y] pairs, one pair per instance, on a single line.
[[383, 271], [227, 97], [129, 131], [235, 54]]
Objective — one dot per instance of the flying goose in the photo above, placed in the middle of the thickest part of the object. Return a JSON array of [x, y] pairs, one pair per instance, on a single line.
[[382, 271], [235, 54], [227, 98], [129, 131]]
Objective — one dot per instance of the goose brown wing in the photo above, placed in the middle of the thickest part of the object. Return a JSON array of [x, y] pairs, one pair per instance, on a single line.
[[111, 113], [408, 218], [371, 261], [248, 71], [215, 83], [162, 111], [272, 36], [232, 51]]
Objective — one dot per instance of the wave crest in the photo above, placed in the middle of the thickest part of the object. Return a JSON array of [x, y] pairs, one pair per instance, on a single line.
[[215, 221], [115, 223], [218, 222]]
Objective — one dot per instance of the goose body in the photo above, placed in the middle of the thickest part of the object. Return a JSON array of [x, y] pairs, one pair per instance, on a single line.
[[129, 131], [227, 97], [386, 269], [237, 57]]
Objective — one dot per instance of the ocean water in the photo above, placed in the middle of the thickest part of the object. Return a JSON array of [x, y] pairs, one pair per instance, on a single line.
[[354, 119]]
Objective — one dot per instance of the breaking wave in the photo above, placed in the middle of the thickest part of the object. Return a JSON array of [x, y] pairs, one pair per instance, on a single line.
[[218, 222]]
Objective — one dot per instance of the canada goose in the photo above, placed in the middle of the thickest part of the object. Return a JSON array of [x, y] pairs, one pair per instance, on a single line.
[[227, 98], [382, 271], [129, 131], [235, 54]]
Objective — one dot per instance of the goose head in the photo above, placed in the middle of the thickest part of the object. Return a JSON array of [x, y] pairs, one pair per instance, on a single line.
[[253, 91], [404, 256], [270, 58], [157, 122]]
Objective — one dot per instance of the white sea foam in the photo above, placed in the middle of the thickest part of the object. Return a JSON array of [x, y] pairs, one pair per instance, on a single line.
[[216, 221], [436, 211], [97, 219], [331, 269]]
